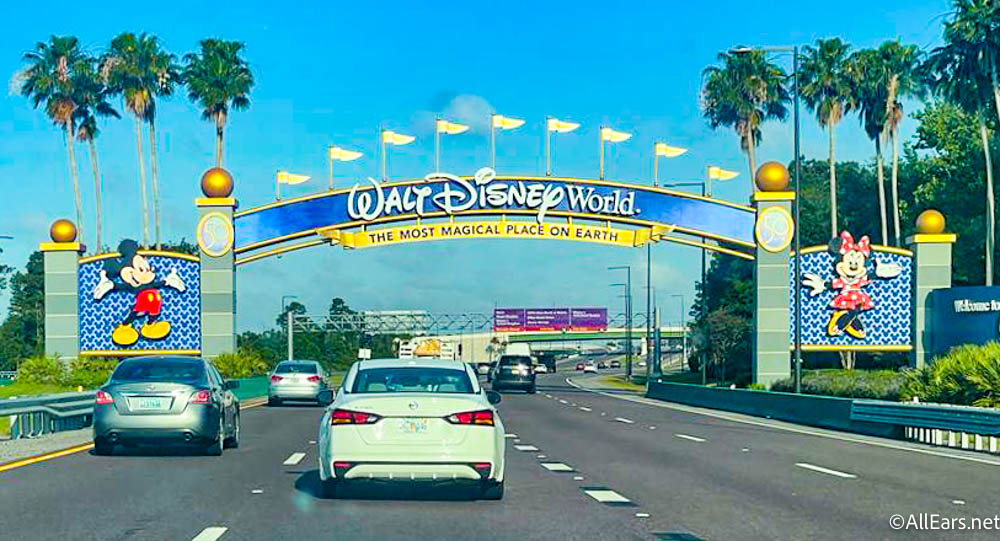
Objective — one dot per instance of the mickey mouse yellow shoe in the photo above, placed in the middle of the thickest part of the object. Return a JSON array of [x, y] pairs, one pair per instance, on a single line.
[[155, 330], [124, 335]]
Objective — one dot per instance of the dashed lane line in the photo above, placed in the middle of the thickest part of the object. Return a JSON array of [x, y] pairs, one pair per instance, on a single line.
[[510, 436], [211, 533], [690, 438], [606, 496], [584, 408], [828, 471], [294, 459], [557, 467], [526, 448], [624, 420]]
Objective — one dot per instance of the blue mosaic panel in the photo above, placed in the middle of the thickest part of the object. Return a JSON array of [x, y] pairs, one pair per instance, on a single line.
[[98, 318], [887, 324]]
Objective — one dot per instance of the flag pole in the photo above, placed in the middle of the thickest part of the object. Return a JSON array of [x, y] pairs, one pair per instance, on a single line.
[[381, 138], [656, 159], [548, 151], [330, 155], [493, 143], [600, 133], [277, 187], [437, 147]]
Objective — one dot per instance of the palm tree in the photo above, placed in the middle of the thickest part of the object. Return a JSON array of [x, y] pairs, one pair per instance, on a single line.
[[961, 73], [867, 71], [92, 102], [744, 92], [49, 79], [902, 68], [163, 73], [825, 86], [217, 78]]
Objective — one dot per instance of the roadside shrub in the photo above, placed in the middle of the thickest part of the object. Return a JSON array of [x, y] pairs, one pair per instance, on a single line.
[[89, 372], [41, 369], [877, 384], [244, 363], [967, 375]]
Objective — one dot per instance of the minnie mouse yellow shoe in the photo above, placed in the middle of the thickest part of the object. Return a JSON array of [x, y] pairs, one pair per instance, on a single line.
[[155, 330], [832, 329], [124, 335]]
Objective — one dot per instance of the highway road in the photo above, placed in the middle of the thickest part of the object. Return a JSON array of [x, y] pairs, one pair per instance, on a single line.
[[636, 469]]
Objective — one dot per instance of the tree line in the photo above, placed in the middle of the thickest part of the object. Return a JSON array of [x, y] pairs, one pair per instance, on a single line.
[[78, 89]]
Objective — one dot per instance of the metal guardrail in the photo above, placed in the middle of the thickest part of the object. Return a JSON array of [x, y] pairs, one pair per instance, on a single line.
[[972, 420], [8, 374], [37, 415]]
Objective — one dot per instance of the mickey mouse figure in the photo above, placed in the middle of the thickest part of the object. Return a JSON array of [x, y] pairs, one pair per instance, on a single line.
[[850, 264], [132, 273]]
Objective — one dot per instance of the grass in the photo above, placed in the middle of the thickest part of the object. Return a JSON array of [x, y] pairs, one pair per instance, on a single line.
[[4, 426], [27, 389], [619, 382], [877, 384]]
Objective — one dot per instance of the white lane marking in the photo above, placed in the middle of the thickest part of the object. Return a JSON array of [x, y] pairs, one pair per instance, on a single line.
[[584, 408], [294, 459], [510, 436], [745, 450], [602, 413], [256, 491], [652, 428], [312, 442], [578, 478], [558, 466], [573, 404], [624, 420], [827, 471], [958, 502], [735, 419], [211, 533], [606, 496], [540, 456], [690, 438], [561, 401], [548, 396], [517, 441], [642, 515], [526, 447]]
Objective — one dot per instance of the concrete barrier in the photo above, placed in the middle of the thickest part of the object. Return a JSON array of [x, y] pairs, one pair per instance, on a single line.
[[821, 411]]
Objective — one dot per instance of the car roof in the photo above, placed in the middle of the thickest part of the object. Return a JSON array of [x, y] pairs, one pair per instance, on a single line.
[[294, 361], [420, 362]]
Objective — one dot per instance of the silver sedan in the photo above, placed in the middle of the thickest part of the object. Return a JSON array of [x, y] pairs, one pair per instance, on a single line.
[[295, 380]]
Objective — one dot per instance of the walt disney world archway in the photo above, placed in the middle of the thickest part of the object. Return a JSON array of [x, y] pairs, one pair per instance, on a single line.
[[136, 301]]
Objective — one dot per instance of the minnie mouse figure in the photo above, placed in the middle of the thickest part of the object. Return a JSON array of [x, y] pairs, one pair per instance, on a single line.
[[850, 264]]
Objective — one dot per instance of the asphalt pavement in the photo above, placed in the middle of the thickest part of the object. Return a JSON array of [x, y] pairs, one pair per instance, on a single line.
[[583, 465]]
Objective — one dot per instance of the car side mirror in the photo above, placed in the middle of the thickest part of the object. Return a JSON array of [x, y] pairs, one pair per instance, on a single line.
[[493, 397], [231, 384], [325, 397]]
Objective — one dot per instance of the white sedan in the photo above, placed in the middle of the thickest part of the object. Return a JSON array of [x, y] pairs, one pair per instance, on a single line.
[[412, 420], [590, 368]]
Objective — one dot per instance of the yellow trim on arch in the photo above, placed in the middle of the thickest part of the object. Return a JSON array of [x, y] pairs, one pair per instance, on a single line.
[[137, 352], [858, 347], [109, 255]]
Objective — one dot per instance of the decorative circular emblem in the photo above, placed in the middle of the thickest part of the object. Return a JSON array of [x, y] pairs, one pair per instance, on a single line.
[[774, 229], [414, 405], [215, 234]]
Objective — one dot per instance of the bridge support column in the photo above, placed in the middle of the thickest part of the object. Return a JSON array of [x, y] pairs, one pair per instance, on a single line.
[[62, 307], [774, 231], [218, 266], [931, 270]]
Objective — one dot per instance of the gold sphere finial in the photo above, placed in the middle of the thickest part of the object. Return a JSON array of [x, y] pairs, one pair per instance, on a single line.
[[930, 222], [62, 230], [772, 177], [217, 182]]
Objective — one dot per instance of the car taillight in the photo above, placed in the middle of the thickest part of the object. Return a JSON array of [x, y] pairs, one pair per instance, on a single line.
[[483, 468], [348, 417], [201, 397], [482, 417], [313, 379], [103, 398], [275, 378]]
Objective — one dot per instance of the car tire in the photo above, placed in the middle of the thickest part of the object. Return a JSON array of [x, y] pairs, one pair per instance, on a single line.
[[328, 488], [232, 442], [215, 448], [103, 447], [273, 402], [491, 490]]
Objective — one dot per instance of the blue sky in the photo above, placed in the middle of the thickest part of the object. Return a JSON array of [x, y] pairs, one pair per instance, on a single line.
[[330, 72]]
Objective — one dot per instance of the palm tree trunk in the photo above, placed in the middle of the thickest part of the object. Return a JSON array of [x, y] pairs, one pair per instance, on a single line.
[[990, 201], [98, 188], [880, 172], [752, 159], [77, 199], [153, 166], [833, 181], [895, 186], [219, 126], [142, 182]]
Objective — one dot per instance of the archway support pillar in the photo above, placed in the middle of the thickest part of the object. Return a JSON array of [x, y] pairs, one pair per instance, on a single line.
[[771, 300]]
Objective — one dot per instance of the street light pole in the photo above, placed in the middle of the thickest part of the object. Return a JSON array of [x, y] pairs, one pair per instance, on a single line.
[[628, 316], [288, 316], [684, 331]]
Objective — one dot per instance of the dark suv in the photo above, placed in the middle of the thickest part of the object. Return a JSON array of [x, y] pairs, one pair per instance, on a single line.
[[514, 372]]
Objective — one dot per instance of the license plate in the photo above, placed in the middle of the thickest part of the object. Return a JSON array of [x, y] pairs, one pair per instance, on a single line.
[[149, 403], [413, 426]]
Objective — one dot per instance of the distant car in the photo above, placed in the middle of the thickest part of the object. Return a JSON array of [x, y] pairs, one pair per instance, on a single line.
[[616, 364], [580, 366], [602, 364], [514, 372], [295, 380], [541, 369], [483, 369], [642, 364], [590, 368], [412, 420], [159, 400]]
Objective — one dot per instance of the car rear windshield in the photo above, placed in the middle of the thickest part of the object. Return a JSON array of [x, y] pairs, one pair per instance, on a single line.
[[511, 360], [296, 368], [165, 370], [412, 380]]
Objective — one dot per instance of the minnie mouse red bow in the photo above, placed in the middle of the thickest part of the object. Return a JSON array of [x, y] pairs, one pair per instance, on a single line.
[[847, 244]]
